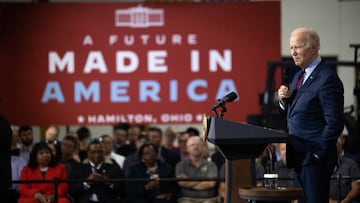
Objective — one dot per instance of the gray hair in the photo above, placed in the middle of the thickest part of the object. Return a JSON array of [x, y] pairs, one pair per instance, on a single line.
[[312, 37]]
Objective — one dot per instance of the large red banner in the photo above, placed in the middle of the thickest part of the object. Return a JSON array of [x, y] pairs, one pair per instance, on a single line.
[[103, 63]]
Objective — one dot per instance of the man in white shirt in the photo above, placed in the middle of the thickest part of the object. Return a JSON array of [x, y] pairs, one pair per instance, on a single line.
[[108, 145]]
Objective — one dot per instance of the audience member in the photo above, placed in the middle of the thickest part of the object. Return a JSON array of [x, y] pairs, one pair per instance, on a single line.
[[76, 155], [196, 167], [133, 132], [193, 131], [97, 172], [134, 157], [122, 144], [351, 146], [350, 182], [42, 166], [17, 164], [153, 190], [108, 145], [164, 155], [170, 135], [27, 141], [85, 138], [182, 139], [68, 148], [52, 134], [51, 137], [286, 175]]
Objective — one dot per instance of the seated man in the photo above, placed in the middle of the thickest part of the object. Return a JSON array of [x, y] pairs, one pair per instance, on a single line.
[[350, 188], [196, 167], [96, 169], [286, 175]]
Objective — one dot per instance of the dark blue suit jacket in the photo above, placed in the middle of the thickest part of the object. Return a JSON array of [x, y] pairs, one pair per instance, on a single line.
[[105, 193], [315, 117]]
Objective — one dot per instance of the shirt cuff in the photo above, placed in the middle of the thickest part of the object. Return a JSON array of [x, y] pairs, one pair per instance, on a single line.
[[86, 186]]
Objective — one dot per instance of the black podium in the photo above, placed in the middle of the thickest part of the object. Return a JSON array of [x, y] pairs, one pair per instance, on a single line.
[[239, 142]]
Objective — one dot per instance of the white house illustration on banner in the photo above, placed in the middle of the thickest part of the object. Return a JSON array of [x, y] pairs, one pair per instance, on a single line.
[[139, 17]]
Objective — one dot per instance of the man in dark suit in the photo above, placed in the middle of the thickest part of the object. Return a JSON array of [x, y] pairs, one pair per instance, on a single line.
[[97, 171], [164, 155], [313, 104], [5, 156]]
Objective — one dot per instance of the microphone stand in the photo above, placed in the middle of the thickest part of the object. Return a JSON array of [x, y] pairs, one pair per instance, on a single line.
[[229, 162], [223, 110]]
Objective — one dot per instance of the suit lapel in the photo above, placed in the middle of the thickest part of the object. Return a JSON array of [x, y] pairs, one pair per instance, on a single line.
[[297, 94], [89, 169]]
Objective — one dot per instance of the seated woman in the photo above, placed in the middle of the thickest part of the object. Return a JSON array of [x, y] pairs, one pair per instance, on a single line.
[[42, 166], [153, 190]]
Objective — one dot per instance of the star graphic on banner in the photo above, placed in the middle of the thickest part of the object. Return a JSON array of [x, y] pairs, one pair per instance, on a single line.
[[81, 119], [199, 117]]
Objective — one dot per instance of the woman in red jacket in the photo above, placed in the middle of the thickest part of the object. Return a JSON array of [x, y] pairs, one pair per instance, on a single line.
[[42, 166]]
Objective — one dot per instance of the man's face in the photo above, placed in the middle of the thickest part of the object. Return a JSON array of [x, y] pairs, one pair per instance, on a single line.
[[51, 133], [302, 52], [182, 141], [195, 146], [107, 145], [155, 138], [67, 147], [26, 137], [96, 153], [120, 136], [133, 132]]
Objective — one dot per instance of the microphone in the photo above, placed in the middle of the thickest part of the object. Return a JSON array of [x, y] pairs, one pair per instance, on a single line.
[[286, 76], [286, 80], [228, 98]]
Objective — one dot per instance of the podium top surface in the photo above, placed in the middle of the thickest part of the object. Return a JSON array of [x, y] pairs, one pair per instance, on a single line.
[[224, 132]]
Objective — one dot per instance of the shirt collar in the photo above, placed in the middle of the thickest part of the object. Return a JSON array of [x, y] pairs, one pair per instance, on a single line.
[[311, 67], [203, 161], [94, 166]]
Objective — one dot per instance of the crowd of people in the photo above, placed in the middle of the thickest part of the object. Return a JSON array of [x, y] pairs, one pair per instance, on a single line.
[[126, 169], [126, 166]]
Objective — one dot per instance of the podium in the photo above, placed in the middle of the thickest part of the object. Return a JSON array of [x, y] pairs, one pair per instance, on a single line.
[[239, 143]]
